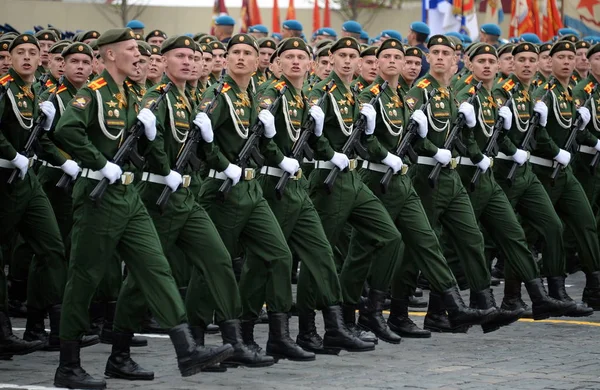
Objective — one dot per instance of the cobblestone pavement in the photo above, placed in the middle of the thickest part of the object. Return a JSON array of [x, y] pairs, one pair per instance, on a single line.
[[556, 354]]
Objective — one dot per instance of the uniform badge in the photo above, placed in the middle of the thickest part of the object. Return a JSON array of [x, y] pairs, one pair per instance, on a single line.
[[80, 101], [116, 112]]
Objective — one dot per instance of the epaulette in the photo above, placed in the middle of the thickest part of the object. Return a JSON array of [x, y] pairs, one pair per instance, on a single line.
[[508, 85], [332, 88], [471, 90], [500, 79], [589, 87], [128, 83], [359, 85], [279, 86], [49, 83], [375, 89], [6, 79], [553, 86], [226, 87], [423, 83], [469, 79], [574, 78], [62, 89], [52, 89], [97, 84]]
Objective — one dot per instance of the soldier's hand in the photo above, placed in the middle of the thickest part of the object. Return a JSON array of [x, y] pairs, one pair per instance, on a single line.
[[173, 180], [484, 164], [319, 116], [443, 156], [203, 122], [520, 156], [419, 117], [21, 163], [369, 112], [585, 117], [112, 172], [340, 160], [542, 109], [149, 121], [71, 168], [563, 157], [290, 165], [505, 113], [469, 112], [393, 161], [233, 172], [49, 111], [268, 120]]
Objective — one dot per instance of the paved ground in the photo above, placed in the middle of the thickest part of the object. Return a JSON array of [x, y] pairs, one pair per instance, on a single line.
[[559, 354]]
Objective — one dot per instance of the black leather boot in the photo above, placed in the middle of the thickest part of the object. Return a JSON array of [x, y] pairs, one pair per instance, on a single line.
[[192, 358], [371, 318], [484, 299], [543, 305], [308, 338], [198, 335], [401, 324], [150, 325], [248, 335], [349, 316], [415, 302], [10, 344], [591, 292], [106, 336], [337, 334], [34, 328], [280, 345], [512, 299], [120, 364], [231, 333], [69, 373], [17, 295], [54, 340], [458, 313], [557, 290]]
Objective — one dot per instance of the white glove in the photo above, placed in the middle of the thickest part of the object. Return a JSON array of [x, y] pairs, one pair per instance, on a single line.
[[520, 156], [173, 180], [419, 117], [505, 113], [369, 112], [269, 121], [48, 110], [149, 121], [484, 164], [71, 168], [233, 172], [319, 116], [22, 163], [393, 161], [468, 111], [340, 160], [112, 172], [563, 157], [290, 165], [542, 109], [585, 115], [597, 147], [203, 122], [443, 156]]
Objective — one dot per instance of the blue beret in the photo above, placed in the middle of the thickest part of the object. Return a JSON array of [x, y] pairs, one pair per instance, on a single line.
[[277, 36], [514, 40], [258, 28], [531, 38], [593, 39], [352, 27], [491, 29], [292, 25], [420, 27], [135, 24], [30, 32], [456, 35], [391, 34], [189, 35], [568, 31], [466, 39], [364, 35], [327, 31], [225, 20]]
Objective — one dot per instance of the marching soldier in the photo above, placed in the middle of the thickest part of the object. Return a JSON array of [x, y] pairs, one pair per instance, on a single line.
[[267, 47], [156, 37], [192, 85], [367, 67], [219, 61], [322, 67], [5, 61], [207, 65], [156, 67], [582, 65], [544, 65], [413, 60], [417, 36], [506, 62], [46, 38]]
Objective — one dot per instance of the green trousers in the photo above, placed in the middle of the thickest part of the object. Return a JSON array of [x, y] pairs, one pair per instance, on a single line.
[[448, 206], [351, 201], [245, 222], [118, 224], [318, 283], [24, 207]]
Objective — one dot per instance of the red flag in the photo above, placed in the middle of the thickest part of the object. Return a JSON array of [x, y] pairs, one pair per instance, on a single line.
[[255, 13], [327, 15], [316, 17], [525, 18], [245, 16], [291, 11], [551, 21], [219, 9], [276, 23]]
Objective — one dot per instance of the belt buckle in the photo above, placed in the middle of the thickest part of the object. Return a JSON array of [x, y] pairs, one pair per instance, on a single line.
[[127, 178], [453, 163], [404, 170], [352, 164], [298, 175], [248, 174], [491, 162], [187, 179]]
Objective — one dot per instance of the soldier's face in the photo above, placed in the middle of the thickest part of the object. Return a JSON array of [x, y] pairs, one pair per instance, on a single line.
[[563, 64], [156, 67], [5, 62], [582, 63], [25, 59], [179, 63], [412, 68], [368, 68], [275, 69], [242, 60], [526, 65], [545, 64], [98, 65], [141, 69], [56, 65], [323, 67], [391, 62], [294, 63], [218, 60], [44, 49], [78, 68], [485, 67], [207, 65], [507, 63], [125, 56], [595, 64], [156, 40], [440, 58], [197, 66], [345, 62], [264, 55]]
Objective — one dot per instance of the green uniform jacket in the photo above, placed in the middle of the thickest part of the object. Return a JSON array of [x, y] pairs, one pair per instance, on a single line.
[[580, 95]]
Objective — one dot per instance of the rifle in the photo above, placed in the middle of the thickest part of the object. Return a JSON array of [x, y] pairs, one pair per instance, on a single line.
[[35, 134], [594, 163], [353, 142], [405, 146], [43, 80], [529, 142], [128, 150], [453, 139], [301, 148], [492, 145], [573, 134], [188, 153], [250, 149]]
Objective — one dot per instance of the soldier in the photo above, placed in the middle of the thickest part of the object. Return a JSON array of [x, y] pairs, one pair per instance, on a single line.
[[137, 83], [506, 62], [89, 36], [419, 32], [325, 33], [46, 38], [5, 61], [352, 29], [192, 85], [367, 69], [291, 28], [136, 26], [266, 47], [224, 28], [156, 67], [258, 31], [544, 65], [207, 65], [413, 60], [565, 191], [156, 37], [95, 236], [322, 67], [490, 33], [582, 65], [219, 61]]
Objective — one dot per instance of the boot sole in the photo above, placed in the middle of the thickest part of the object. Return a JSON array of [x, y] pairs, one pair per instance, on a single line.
[[277, 357], [253, 365], [109, 342], [218, 368], [77, 386], [409, 335], [458, 329], [120, 375], [8, 355], [380, 337], [196, 368], [323, 351]]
